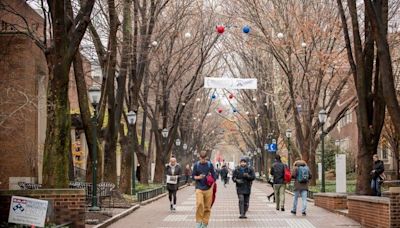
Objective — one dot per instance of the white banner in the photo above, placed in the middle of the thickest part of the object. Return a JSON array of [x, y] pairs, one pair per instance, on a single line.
[[28, 211], [230, 83]]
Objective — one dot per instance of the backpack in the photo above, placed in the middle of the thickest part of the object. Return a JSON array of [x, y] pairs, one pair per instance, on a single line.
[[303, 174], [287, 177]]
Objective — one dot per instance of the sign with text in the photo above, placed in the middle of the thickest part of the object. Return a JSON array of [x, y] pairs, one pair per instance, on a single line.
[[230, 83], [27, 211]]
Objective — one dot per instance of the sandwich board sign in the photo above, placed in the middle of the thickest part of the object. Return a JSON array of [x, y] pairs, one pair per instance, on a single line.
[[27, 211]]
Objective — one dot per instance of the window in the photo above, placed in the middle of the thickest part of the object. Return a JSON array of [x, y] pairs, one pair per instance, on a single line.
[[384, 152], [347, 119], [6, 27]]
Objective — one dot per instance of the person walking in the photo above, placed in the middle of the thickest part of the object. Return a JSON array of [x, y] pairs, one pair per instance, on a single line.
[[271, 182], [378, 175], [278, 171], [188, 173], [243, 176], [173, 172], [224, 174], [205, 176], [301, 175], [138, 168]]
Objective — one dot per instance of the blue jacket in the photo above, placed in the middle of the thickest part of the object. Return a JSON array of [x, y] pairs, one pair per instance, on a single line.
[[205, 169]]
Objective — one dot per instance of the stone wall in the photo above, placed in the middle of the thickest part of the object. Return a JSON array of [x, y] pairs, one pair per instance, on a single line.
[[67, 205], [331, 201], [369, 211]]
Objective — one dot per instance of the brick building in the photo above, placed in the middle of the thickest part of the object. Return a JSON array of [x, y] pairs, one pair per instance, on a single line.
[[345, 136], [23, 81]]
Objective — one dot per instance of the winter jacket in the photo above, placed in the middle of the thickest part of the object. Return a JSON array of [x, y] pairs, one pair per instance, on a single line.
[[177, 172], [278, 171], [243, 183], [224, 172], [203, 168], [379, 168], [297, 185]]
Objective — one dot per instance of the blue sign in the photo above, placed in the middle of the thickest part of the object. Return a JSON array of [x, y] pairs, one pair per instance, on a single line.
[[273, 147]]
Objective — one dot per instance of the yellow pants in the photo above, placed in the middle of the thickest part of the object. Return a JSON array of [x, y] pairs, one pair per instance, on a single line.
[[203, 205]]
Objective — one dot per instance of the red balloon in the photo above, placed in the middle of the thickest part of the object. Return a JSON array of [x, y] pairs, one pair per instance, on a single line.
[[220, 29], [230, 96], [219, 110]]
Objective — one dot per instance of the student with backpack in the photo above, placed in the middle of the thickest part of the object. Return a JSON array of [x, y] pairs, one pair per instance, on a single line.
[[278, 172], [205, 176], [301, 175]]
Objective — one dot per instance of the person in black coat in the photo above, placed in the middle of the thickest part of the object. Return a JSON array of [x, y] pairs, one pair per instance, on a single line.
[[278, 171], [138, 172], [377, 174], [243, 176], [224, 174], [173, 172]]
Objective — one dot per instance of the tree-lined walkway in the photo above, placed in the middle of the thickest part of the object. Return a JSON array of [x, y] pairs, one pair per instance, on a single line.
[[225, 212]]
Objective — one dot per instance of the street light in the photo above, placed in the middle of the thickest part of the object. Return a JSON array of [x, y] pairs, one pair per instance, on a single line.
[[322, 116], [94, 94], [178, 142], [288, 136], [132, 120], [165, 132], [185, 146]]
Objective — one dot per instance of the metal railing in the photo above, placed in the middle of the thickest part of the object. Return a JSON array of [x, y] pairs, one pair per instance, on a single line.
[[148, 194]]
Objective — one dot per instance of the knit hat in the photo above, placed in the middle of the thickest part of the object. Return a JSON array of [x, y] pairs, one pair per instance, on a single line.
[[243, 159]]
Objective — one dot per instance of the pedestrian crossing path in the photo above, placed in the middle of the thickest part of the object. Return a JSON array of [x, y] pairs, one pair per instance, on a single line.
[[225, 212]]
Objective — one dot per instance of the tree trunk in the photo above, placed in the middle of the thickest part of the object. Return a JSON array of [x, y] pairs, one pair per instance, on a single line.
[[142, 160], [126, 166], [84, 111], [364, 164], [160, 166], [58, 135]]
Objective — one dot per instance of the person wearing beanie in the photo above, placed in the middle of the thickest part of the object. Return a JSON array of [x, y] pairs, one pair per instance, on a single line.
[[243, 176]]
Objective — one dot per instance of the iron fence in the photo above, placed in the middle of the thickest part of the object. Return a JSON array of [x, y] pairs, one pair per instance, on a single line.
[[148, 194]]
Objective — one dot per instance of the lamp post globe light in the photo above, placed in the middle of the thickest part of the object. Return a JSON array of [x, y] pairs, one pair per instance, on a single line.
[[94, 94], [185, 146], [288, 136], [165, 132], [322, 116], [178, 142], [132, 120]]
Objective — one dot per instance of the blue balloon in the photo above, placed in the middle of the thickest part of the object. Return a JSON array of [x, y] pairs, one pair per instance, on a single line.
[[246, 29], [234, 110], [213, 97]]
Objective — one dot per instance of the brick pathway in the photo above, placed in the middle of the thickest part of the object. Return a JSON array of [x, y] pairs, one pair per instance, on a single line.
[[225, 212]]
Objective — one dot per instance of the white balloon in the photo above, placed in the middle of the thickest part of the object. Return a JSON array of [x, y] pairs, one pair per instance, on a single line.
[[188, 35], [303, 45], [280, 35], [154, 43]]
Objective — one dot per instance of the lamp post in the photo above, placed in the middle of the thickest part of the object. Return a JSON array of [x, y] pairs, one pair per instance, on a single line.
[[94, 94], [132, 120], [322, 116], [288, 135], [178, 145]]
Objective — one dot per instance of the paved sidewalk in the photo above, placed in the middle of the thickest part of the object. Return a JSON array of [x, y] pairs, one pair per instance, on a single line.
[[225, 212]]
